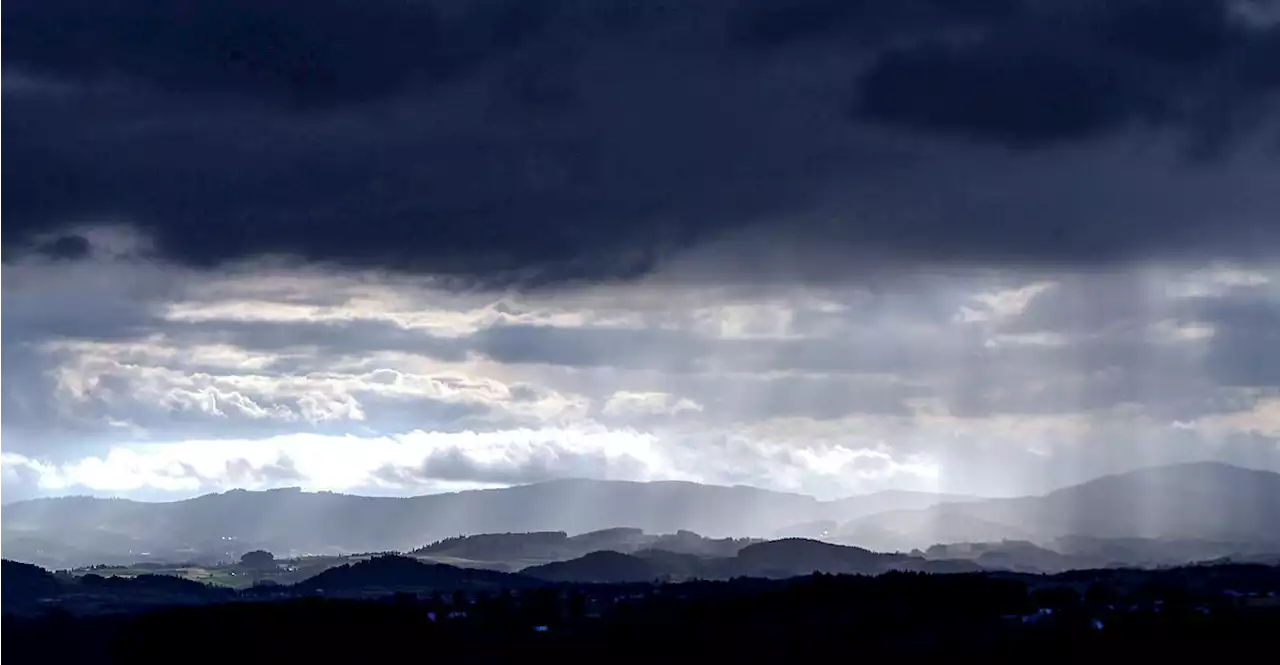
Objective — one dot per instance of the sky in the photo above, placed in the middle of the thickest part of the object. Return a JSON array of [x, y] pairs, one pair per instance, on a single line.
[[396, 247]]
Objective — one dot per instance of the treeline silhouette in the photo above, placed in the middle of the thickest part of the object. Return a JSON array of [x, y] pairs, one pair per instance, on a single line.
[[1184, 614]]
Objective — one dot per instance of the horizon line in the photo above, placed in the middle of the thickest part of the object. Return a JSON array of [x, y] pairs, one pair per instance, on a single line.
[[960, 496]]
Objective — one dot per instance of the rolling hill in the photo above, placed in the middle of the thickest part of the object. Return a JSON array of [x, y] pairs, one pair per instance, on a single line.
[[775, 559], [550, 546], [1188, 502], [384, 574], [71, 531]]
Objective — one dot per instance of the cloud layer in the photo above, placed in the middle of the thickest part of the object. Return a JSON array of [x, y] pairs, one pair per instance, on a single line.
[[986, 246], [553, 140], [129, 376]]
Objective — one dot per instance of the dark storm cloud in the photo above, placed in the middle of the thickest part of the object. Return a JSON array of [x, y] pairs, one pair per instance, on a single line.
[[1022, 93], [570, 140], [774, 23], [309, 55], [1072, 71], [69, 247]]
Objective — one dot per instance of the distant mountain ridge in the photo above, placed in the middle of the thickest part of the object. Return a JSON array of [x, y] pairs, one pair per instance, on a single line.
[[81, 530], [1201, 501], [1205, 501]]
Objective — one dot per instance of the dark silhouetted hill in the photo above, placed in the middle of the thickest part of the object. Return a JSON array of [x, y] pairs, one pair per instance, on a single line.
[[545, 547], [128, 593], [602, 567], [688, 542], [22, 584], [781, 558], [392, 572], [1188, 614], [774, 559], [504, 546], [145, 584], [1013, 555]]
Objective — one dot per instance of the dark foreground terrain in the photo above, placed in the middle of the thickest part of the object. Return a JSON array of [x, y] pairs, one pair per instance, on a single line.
[[1202, 611]]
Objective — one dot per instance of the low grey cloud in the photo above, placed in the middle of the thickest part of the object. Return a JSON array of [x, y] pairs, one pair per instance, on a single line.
[[542, 464], [328, 338]]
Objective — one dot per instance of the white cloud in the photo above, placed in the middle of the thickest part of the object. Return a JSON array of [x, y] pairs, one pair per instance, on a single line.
[[626, 403], [142, 376], [1001, 305], [1170, 330], [1028, 339], [407, 463], [1216, 281], [1262, 418]]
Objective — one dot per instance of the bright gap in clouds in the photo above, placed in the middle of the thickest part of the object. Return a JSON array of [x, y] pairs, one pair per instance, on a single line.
[[421, 462], [346, 463], [138, 379]]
